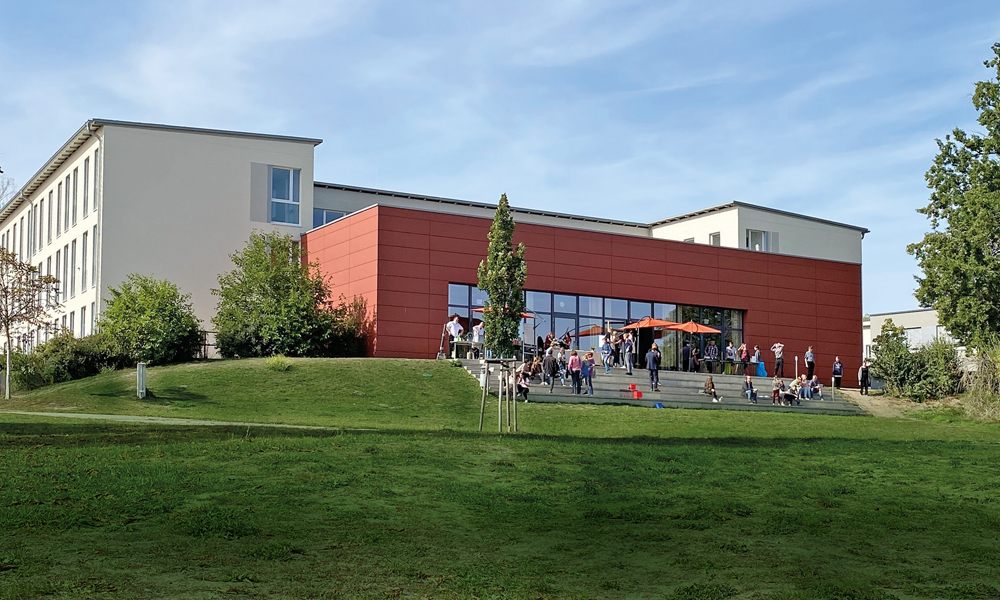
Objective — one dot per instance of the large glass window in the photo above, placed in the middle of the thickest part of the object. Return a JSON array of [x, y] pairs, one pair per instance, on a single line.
[[563, 304], [479, 297], [638, 310], [592, 307], [285, 196], [615, 310], [458, 294], [538, 301], [666, 312]]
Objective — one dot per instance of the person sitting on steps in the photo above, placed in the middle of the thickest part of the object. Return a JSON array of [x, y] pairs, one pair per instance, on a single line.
[[750, 391], [710, 390]]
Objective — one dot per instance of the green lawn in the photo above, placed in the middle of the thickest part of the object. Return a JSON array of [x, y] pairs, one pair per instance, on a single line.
[[609, 502]]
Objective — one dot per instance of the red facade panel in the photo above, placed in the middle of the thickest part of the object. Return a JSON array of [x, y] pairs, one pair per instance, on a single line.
[[402, 261]]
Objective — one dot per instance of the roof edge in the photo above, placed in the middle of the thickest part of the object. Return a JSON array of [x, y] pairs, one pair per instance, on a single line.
[[225, 132], [739, 204]]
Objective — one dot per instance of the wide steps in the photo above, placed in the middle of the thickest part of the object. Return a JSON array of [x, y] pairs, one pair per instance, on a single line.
[[677, 390]]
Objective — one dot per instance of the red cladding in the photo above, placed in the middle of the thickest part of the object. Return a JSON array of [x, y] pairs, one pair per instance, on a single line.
[[401, 261]]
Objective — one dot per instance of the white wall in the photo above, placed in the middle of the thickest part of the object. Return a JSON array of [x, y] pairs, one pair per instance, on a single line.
[[725, 222], [176, 204], [803, 237]]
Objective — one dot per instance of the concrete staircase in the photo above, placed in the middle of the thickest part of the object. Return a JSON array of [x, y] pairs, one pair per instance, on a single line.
[[676, 390]]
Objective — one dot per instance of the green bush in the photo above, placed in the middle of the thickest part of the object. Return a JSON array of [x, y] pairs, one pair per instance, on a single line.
[[927, 372], [149, 320], [272, 303], [278, 362], [62, 358]]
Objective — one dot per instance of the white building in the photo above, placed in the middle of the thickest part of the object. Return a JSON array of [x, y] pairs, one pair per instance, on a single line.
[[169, 202], [921, 326]]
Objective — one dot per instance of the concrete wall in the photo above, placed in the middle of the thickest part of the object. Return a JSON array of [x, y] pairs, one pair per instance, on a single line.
[[921, 325], [803, 237], [725, 222], [414, 264], [176, 204]]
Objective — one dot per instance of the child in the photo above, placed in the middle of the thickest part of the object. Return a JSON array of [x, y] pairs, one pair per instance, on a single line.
[[710, 389], [776, 386]]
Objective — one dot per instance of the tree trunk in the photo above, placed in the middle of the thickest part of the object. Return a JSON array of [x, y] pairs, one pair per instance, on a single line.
[[6, 373]]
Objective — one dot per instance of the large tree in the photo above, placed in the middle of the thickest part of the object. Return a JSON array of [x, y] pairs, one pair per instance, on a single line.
[[26, 298], [502, 276], [960, 257]]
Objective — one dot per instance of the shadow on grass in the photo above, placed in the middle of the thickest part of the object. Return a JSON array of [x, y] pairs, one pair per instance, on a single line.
[[80, 434]]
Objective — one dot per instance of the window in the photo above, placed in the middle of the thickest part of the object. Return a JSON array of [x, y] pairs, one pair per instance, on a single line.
[[83, 265], [41, 221], [757, 240], [285, 196], [64, 321], [689, 241], [97, 165], [75, 174], [71, 325], [59, 207], [72, 272], [19, 239], [715, 239], [83, 321], [321, 216], [86, 187], [48, 226], [65, 272], [56, 273], [93, 259], [48, 271], [93, 317], [914, 337], [66, 207]]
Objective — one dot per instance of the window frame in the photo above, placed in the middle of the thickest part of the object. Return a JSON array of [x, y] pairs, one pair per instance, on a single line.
[[294, 194]]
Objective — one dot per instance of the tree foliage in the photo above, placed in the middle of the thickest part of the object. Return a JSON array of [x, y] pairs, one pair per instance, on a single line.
[[926, 372], [149, 320], [960, 257], [273, 302], [502, 276], [26, 297]]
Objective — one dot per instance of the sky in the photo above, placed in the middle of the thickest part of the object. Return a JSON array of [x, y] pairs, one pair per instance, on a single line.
[[625, 110]]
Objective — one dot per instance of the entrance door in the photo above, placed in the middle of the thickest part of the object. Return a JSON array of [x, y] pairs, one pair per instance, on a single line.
[[645, 340]]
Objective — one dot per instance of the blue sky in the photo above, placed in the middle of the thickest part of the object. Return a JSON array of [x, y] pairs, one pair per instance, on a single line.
[[629, 110]]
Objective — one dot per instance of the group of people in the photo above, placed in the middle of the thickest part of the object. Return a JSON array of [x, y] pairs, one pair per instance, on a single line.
[[557, 364], [618, 350], [476, 337]]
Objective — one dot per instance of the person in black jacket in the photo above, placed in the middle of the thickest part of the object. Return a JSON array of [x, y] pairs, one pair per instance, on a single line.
[[686, 357], [550, 368], [749, 391], [653, 366]]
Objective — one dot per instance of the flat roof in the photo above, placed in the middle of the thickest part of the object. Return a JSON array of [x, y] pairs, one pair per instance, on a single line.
[[452, 201], [738, 204], [901, 312], [91, 125]]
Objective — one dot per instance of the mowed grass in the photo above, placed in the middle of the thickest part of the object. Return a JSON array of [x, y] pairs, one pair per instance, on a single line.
[[332, 392], [588, 502]]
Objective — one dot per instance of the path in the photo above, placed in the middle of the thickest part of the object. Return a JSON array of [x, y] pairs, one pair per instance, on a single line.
[[173, 421]]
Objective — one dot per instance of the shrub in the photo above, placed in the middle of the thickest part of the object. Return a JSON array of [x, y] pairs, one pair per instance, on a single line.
[[62, 358], [983, 382], [927, 372], [273, 303], [149, 320], [278, 362]]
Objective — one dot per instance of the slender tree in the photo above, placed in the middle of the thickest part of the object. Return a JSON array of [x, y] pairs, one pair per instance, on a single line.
[[502, 276], [960, 257], [26, 297]]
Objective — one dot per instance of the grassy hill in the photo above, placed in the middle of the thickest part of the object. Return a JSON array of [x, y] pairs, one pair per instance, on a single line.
[[590, 502]]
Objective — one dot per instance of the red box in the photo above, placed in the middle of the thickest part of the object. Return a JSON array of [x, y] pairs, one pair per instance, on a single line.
[[632, 387], [636, 394]]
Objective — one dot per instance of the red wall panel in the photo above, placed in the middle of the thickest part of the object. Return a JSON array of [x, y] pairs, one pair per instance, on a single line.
[[402, 260]]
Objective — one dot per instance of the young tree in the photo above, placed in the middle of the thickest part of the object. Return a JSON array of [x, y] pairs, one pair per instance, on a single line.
[[960, 257], [273, 303], [502, 276], [26, 297], [149, 320]]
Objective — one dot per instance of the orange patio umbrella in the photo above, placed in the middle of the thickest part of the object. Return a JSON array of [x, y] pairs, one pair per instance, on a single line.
[[592, 330], [524, 315], [692, 327], [646, 322]]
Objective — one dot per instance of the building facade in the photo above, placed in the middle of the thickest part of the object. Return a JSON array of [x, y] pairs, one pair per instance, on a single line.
[[175, 202]]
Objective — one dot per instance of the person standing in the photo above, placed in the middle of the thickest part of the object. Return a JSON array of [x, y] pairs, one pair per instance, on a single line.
[[653, 366], [810, 359], [686, 357], [754, 360], [606, 354], [575, 366], [711, 356], [864, 377], [550, 368], [628, 344], [776, 385], [779, 358], [744, 355], [455, 330], [562, 366], [588, 372], [730, 358], [478, 336], [838, 372]]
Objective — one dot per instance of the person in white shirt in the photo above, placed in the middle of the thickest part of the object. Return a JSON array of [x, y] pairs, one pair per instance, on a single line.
[[455, 330], [478, 333], [779, 358]]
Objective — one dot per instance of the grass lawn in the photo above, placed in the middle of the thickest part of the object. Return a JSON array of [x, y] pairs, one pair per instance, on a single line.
[[610, 502]]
